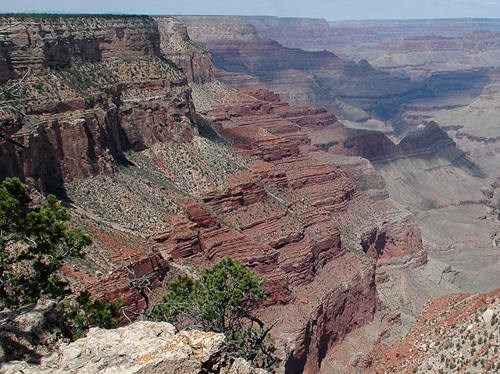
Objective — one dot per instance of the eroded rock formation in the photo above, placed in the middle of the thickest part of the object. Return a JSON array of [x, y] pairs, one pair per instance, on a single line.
[[248, 180], [178, 46], [88, 81]]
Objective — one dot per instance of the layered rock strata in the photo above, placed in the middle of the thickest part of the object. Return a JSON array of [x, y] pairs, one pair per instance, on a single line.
[[293, 219], [245, 57], [87, 81], [245, 181], [178, 46]]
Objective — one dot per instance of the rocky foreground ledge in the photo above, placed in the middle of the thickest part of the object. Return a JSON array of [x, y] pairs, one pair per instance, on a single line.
[[142, 347]]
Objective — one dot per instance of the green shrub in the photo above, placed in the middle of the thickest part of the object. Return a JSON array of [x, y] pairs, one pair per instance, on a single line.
[[221, 300], [34, 241], [83, 313]]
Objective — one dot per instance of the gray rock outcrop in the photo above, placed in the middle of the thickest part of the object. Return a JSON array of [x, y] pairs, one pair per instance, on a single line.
[[142, 347]]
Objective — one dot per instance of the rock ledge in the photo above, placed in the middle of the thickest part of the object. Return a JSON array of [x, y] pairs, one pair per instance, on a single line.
[[142, 347]]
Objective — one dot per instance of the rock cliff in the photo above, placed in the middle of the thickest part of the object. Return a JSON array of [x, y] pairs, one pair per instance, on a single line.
[[37, 42], [178, 46], [246, 58], [152, 179], [309, 34], [433, 138], [87, 82]]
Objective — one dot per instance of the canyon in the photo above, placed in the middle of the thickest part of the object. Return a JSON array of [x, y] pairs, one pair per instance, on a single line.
[[177, 142], [432, 134]]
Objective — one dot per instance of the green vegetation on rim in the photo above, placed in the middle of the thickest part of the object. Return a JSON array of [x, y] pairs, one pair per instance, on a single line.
[[35, 240], [222, 300]]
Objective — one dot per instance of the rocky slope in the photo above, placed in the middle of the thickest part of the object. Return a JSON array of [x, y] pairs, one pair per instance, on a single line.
[[436, 147], [87, 81], [178, 46], [141, 347], [453, 333], [153, 180]]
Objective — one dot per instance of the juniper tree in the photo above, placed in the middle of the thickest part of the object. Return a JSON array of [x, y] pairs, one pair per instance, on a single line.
[[222, 300], [34, 241]]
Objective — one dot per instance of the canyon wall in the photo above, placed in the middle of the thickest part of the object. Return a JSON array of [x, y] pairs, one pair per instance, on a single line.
[[434, 137], [38, 42], [118, 137], [178, 46], [308, 34], [415, 47], [246, 58], [87, 82], [300, 222]]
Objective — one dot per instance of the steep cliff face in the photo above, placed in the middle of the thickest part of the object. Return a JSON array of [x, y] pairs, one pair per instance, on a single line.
[[300, 77], [87, 83], [316, 198], [176, 44], [236, 46], [309, 34], [37, 42]]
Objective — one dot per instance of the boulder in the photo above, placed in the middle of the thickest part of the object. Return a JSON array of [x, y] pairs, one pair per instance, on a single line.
[[142, 347]]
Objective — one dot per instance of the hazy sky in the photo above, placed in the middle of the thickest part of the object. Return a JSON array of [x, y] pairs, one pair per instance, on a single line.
[[329, 9]]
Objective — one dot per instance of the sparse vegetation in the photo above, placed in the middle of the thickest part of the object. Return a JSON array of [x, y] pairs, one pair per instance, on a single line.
[[221, 300], [82, 312], [35, 240]]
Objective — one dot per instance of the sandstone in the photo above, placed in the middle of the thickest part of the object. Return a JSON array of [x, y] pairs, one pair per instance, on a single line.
[[76, 130], [178, 47], [263, 189]]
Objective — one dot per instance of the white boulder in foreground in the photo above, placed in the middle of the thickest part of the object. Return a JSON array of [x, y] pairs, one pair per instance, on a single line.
[[141, 347]]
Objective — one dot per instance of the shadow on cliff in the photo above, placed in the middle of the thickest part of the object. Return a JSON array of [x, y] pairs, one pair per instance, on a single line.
[[427, 141], [37, 163], [27, 333]]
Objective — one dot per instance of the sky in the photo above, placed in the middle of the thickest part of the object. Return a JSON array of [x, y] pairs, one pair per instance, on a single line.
[[331, 10]]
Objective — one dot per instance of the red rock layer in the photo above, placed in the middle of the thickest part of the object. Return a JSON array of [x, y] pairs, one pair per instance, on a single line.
[[292, 218], [73, 126], [37, 43], [281, 135]]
